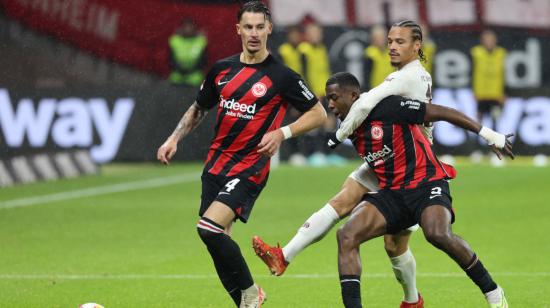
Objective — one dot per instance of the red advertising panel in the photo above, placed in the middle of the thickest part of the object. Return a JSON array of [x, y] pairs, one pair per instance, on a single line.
[[129, 32]]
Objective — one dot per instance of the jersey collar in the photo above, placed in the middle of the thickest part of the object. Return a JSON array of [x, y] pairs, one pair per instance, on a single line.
[[412, 64]]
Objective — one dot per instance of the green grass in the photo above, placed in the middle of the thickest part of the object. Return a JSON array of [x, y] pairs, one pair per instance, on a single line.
[[139, 248]]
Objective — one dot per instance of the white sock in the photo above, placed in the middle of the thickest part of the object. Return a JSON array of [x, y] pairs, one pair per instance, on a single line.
[[311, 231], [495, 296], [404, 268]]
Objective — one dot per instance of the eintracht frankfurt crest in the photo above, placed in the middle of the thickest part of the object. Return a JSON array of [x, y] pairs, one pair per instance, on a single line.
[[259, 89], [376, 132]]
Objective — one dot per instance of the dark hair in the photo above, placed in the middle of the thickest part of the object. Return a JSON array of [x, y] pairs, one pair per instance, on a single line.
[[416, 34], [343, 79], [254, 7]]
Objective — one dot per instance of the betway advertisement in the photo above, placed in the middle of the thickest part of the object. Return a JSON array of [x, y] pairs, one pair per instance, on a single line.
[[66, 123], [113, 124]]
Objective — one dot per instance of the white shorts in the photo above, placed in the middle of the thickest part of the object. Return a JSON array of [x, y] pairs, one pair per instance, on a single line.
[[365, 176]]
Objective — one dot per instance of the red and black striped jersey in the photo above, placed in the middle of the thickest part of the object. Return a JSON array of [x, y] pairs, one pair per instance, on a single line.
[[393, 145], [251, 100]]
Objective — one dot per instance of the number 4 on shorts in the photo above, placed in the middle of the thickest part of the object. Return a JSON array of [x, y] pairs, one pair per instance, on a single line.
[[231, 185]]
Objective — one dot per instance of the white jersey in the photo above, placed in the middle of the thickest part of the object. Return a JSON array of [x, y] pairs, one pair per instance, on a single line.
[[411, 81]]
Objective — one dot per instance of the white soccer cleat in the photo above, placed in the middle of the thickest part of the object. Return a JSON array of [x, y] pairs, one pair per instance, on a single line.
[[503, 303], [253, 297]]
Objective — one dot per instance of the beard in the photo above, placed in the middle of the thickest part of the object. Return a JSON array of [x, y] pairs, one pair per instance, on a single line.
[[395, 64]]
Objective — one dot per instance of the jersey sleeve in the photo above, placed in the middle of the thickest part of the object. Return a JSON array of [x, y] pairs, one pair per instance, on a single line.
[[398, 109], [207, 96], [359, 111], [297, 93]]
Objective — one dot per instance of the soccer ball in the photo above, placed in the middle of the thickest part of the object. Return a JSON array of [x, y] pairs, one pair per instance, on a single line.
[[90, 305]]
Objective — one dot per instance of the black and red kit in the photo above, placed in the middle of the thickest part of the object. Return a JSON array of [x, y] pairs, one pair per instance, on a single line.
[[393, 145], [251, 100]]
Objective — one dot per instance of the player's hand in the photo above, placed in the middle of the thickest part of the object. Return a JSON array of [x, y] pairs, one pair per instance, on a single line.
[[271, 142], [332, 141], [507, 149], [167, 150]]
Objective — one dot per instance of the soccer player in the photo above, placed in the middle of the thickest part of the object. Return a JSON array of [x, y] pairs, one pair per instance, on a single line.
[[410, 80], [413, 184], [251, 92]]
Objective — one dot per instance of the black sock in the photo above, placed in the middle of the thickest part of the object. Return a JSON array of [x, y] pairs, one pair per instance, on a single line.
[[224, 249], [479, 275], [228, 278], [351, 290]]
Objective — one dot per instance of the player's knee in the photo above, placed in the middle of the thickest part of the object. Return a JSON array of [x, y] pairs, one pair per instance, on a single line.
[[206, 236], [208, 232], [342, 205], [438, 238], [346, 240]]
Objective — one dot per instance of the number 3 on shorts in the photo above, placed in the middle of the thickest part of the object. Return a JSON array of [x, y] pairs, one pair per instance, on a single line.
[[231, 185], [436, 192]]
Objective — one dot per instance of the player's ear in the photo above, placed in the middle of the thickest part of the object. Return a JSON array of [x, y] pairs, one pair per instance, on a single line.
[[238, 27], [417, 46], [269, 27]]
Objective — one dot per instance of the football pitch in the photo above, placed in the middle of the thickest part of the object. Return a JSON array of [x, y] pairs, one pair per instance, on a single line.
[[127, 238]]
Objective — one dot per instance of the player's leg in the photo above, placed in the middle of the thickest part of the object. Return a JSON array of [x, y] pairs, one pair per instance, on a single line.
[[366, 222], [214, 228], [359, 182], [320, 223], [404, 266], [228, 260], [436, 220]]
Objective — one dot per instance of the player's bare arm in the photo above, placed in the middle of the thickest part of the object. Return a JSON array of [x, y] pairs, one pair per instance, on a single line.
[[189, 121], [497, 141], [311, 119]]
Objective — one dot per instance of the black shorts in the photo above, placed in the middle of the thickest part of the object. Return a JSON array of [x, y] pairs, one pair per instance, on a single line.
[[487, 106], [236, 192], [402, 208]]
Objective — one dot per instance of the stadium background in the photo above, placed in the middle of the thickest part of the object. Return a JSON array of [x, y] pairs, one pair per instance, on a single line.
[[90, 75]]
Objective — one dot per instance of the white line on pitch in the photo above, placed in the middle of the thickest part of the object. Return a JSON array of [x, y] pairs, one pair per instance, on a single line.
[[100, 190], [199, 276]]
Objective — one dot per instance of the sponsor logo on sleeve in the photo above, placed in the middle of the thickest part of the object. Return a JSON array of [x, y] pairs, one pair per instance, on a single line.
[[305, 91], [410, 104]]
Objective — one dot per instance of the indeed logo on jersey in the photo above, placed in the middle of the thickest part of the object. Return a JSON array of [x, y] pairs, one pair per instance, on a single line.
[[379, 156], [236, 109]]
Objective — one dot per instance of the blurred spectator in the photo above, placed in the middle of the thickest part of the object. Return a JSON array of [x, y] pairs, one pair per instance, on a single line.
[[315, 63], [429, 48], [292, 57], [378, 63], [488, 76], [316, 71], [488, 80], [187, 55], [289, 52]]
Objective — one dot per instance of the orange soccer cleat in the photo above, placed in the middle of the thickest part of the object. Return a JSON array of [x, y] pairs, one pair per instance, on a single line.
[[272, 256], [418, 304]]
